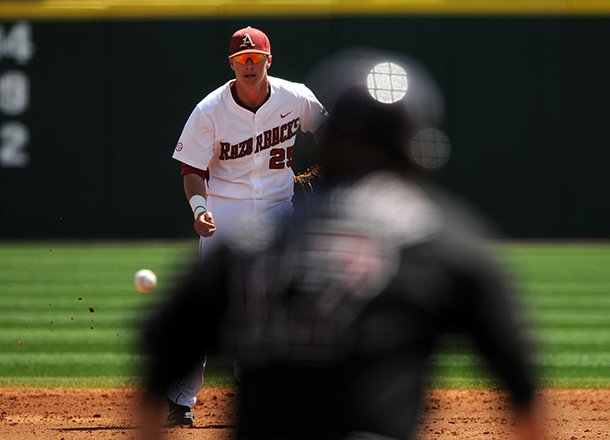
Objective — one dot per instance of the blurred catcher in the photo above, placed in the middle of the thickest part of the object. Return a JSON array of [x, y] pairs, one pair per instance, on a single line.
[[335, 315]]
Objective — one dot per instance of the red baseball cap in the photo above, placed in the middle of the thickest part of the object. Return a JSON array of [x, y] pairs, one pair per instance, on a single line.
[[249, 40]]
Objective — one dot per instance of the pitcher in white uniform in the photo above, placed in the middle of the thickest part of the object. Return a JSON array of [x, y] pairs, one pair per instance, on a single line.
[[236, 151]]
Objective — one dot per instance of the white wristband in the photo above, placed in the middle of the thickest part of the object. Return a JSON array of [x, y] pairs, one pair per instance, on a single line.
[[197, 203]]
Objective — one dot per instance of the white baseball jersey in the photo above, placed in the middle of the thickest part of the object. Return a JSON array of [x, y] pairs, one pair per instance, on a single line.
[[249, 155]]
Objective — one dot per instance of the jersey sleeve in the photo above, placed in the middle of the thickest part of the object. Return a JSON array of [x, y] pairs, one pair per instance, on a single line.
[[313, 113], [195, 146]]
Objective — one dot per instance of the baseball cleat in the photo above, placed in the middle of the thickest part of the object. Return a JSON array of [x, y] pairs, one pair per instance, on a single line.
[[179, 415]]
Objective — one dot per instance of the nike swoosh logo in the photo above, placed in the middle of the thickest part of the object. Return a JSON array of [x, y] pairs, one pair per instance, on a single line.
[[283, 116]]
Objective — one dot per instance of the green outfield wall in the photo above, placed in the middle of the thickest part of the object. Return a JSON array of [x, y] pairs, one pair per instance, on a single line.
[[93, 99]]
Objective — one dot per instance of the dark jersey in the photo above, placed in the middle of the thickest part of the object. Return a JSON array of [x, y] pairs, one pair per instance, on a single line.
[[334, 319]]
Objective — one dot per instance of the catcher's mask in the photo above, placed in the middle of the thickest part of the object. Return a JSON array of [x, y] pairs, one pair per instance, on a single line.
[[383, 102]]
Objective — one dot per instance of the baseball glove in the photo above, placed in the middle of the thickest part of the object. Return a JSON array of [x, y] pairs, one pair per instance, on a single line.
[[306, 179]]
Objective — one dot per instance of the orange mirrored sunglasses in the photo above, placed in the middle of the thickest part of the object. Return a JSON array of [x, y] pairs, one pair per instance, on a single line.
[[255, 57]]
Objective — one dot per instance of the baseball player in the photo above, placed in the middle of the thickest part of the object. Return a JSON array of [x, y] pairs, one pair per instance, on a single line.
[[236, 151]]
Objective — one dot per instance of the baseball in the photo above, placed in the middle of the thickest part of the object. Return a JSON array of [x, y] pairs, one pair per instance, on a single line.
[[145, 281]]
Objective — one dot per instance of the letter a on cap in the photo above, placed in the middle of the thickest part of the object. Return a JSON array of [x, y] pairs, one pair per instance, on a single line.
[[247, 42]]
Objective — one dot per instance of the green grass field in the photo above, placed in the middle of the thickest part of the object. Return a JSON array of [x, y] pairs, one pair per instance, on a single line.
[[69, 313]]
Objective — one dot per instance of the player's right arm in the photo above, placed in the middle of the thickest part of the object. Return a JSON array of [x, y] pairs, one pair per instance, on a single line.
[[196, 194], [194, 150]]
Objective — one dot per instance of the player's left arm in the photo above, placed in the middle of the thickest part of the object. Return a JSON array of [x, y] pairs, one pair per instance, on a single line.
[[313, 112], [494, 317], [313, 116]]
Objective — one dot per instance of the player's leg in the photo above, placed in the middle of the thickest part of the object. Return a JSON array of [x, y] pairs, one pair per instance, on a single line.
[[184, 390], [182, 395], [228, 215], [260, 211]]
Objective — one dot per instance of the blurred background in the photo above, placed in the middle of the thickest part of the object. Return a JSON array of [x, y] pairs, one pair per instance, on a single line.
[[94, 94]]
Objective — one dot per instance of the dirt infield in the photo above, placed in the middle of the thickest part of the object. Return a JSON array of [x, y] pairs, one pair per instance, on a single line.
[[67, 414]]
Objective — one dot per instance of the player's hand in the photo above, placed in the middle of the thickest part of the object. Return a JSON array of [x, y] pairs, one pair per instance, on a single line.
[[204, 225]]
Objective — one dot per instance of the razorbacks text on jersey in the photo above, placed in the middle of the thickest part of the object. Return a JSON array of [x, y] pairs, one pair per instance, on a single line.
[[249, 155]]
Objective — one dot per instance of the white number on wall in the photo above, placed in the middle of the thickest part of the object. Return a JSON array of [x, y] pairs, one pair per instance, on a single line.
[[14, 92], [14, 137], [16, 42]]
